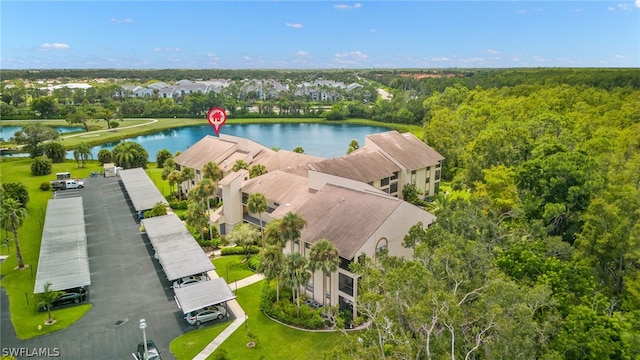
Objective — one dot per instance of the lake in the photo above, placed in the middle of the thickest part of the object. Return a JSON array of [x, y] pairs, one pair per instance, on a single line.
[[324, 140], [7, 132]]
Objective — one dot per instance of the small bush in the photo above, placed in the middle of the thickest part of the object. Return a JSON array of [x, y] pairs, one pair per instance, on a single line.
[[239, 250], [178, 205], [45, 186], [253, 262]]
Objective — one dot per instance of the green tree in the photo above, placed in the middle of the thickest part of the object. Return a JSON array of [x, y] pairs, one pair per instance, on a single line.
[[81, 117], [105, 114], [295, 275], [81, 153], [411, 194], [16, 191], [114, 124], [257, 204], [271, 261], [46, 298], [169, 166], [186, 175], [12, 216], [273, 234], [244, 235], [353, 146], [298, 149], [290, 227], [197, 217], [240, 164], [54, 151], [32, 135], [257, 170], [324, 256], [162, 156], [130, 155], [45, 106], [212, 171], [104, 156], [41, 165], [174, 178]]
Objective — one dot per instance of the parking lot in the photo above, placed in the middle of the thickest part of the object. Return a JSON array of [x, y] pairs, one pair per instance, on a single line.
[[127, 284]]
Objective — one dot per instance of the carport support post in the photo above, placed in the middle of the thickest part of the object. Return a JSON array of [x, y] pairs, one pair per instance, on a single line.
[[143, 326]]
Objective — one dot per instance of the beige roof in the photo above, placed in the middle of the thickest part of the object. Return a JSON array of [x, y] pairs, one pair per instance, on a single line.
[[408, 150], [288, 190], [348, 218], [283, 159], [209, 148], [363, 166]]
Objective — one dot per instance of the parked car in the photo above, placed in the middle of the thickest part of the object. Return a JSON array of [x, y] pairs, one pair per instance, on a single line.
[[207, 314], [152, 351], [189, 280], [65, 299]]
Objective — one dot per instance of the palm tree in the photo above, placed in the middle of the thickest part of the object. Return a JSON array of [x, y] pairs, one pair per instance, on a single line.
[[174, 178], [273, 234], [291, 226], [186, 175], [257, 170], [46, 298], [81, 153], [295, 275], [240, 164], [257, 203], [196, 216], [324, 256], [212, 171], [270, 265], [12, 216], [125, 155]]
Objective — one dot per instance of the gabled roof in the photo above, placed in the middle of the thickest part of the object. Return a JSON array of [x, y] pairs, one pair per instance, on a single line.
[[406, 149], [288, 190], [362, 166], [283, 159], [209, 148], [348, 218]]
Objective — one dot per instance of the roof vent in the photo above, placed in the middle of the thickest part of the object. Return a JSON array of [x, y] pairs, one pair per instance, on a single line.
[[341, 200]]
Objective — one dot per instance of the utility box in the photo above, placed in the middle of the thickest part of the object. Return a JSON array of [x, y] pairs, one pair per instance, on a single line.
[[109, 170]]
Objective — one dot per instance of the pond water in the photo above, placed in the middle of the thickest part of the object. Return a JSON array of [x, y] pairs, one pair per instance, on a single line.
[[324, 140], [7, 132]]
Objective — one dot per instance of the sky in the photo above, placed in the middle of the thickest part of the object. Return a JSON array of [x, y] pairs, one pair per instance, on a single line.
[[318, 34]]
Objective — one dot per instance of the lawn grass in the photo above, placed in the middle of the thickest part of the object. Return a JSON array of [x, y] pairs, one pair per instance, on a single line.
[[19, 284], [187, 346], [231, 268], [274, 341]]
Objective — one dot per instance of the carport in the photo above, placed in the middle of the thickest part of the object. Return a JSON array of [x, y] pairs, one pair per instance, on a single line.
[[203, 294], [64, 260], [141, 190], [177, 250]]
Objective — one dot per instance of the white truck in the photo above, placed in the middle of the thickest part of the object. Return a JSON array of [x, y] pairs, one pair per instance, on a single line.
[[66, 184]]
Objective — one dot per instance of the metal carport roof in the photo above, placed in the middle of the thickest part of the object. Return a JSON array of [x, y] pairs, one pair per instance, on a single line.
[[141, 190], [64, 260], [200, 295], [178, 252]]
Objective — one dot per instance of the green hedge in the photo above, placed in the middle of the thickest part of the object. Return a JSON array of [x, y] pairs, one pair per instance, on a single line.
[[239, 250], [285, 311]]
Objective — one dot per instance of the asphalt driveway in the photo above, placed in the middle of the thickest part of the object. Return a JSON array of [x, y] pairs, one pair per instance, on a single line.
[[127, 284]]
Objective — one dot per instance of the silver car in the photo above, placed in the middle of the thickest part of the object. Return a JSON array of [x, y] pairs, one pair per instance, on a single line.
[[189, 280], [207, 314]]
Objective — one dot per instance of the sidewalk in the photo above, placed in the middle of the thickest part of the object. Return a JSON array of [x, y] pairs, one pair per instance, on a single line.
[[237, 311]]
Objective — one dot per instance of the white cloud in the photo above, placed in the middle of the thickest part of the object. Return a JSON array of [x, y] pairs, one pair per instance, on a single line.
[[302, 53], [347, 7], [638, 3], [55, 46], [440, 59], [295, 25], [246, 58], [121, 21], [626, 6], [373, 30], [350, 58], [492, 52], [174, 60], [166, 49], [213, 57]]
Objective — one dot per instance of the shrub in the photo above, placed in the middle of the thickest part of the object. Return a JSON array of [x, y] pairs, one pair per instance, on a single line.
[[253, 262], [178, 205], [41, 165], [286, 311], [45, 186], [104, 156], [16, 191], [239, 250]]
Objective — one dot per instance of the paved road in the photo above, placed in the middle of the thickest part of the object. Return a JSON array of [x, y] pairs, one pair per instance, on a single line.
[[127, 284]]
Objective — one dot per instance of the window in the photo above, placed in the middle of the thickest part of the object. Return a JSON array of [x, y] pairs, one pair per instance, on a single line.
[[438, 174], [381, 246], [245, 198], [310, 284], [437, 187], [345, 284], [394, 176], [393, 188], [427, 179], [384, 182], [413, 172]]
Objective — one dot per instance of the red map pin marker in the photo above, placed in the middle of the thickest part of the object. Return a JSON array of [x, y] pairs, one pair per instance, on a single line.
[[216, 117]]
